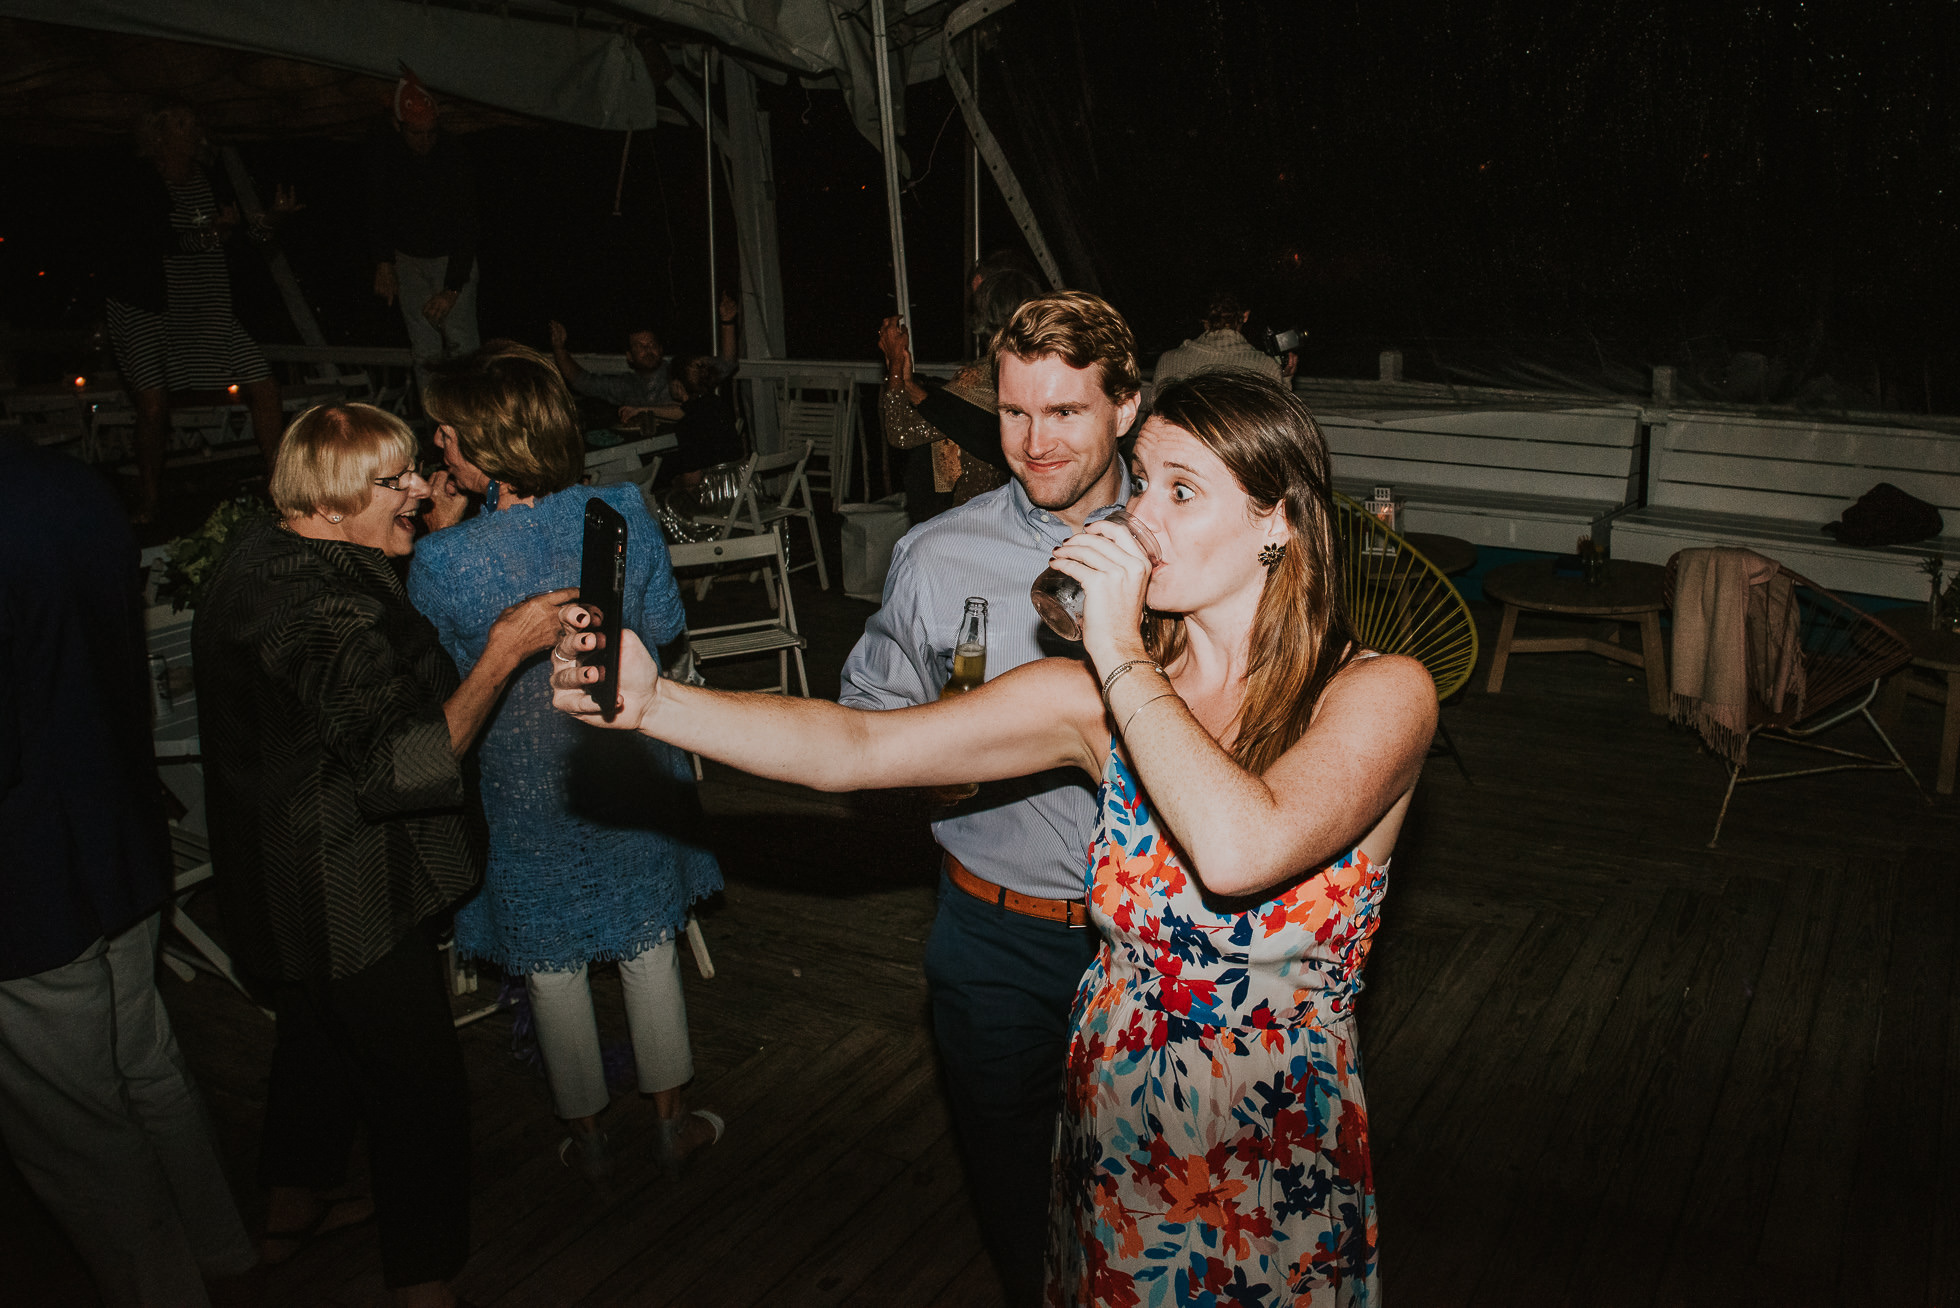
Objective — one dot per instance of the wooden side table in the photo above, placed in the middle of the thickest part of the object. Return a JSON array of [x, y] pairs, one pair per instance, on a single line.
[[1631, 592], [1450, 554], [1937, 652]]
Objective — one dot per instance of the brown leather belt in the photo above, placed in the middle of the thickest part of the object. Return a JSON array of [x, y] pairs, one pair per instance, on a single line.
[[1072, 911]]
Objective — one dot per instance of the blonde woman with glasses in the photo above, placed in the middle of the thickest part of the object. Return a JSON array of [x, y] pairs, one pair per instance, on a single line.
[[344, 827]]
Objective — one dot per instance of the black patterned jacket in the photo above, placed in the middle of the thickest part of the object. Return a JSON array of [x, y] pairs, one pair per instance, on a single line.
[[339, 817]]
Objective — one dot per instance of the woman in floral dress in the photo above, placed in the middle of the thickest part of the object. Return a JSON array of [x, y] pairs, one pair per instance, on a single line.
[[1256, 769]]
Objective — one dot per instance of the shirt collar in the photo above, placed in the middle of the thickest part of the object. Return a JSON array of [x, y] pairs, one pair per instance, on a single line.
[[1049, 528]]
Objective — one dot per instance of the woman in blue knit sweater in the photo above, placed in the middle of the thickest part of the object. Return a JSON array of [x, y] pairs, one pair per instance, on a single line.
[[581, 869]]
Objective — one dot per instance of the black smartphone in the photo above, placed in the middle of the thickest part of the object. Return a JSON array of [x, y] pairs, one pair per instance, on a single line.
[[602, 590]]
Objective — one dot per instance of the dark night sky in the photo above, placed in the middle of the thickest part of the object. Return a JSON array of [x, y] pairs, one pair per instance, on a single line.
[[1594, 187]]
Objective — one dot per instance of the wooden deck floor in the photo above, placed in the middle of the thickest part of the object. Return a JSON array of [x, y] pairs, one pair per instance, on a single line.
[[1605, 1064]]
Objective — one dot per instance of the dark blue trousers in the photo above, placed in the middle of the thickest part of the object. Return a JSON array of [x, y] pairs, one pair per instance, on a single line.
[[1001, 987]]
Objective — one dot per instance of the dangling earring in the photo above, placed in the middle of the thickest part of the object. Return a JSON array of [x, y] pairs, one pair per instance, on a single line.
[[1271, 553]]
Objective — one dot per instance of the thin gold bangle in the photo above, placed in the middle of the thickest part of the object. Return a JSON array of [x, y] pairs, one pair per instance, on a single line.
[[1169, 694], [1122, 668]]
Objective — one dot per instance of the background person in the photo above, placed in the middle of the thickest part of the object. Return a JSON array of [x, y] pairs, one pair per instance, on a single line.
[[704, 429], [595, 842], [955, 424], [422, 226], [97, 1106], [1256, 767], [644, 386], [171, 323], [1221, 345], [343, 826]]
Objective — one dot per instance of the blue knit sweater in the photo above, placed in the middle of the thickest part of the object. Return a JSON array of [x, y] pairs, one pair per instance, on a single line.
[[595, 843]]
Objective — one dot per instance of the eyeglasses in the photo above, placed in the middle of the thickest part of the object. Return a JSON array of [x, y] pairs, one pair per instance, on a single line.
[[394, 483]]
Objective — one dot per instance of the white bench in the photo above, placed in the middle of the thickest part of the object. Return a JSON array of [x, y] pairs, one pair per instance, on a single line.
[[1770, 484], [1493, 467]]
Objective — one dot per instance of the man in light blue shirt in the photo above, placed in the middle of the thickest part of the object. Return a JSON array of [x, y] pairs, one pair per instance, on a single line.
[[1011, 939]]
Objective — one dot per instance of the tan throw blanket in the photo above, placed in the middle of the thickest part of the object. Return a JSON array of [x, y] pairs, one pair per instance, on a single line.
[[1735, 630]]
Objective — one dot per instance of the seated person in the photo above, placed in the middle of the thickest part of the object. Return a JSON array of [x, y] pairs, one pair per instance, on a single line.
[[705, 426], [643, 388]]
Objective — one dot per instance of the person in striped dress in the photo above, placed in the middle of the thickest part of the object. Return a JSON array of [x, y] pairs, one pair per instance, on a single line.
[[169, 307]]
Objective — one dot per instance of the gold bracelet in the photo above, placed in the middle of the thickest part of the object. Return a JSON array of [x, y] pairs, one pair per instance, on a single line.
[[1121, 668], [1140, 708]]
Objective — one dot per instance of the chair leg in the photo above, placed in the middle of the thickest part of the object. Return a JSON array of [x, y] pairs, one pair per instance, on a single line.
[[816, 548], [802, 676], [1898, 758], [1734, 773], [1449, 747]]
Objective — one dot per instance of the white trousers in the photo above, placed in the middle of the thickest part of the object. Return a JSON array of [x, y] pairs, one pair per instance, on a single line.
[[103, 1119], [568, 1032], [416, 280]]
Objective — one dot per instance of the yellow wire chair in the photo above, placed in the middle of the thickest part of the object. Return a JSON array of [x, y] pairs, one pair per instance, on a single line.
[[1400, 603]]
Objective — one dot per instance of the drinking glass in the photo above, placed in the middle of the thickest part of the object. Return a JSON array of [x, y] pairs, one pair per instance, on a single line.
[[1058, 597]]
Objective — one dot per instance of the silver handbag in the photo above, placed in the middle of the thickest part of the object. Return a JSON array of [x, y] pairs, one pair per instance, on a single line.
[[679, 511]]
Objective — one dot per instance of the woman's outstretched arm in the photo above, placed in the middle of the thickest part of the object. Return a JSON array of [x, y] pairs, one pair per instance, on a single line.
[[1041, 715]]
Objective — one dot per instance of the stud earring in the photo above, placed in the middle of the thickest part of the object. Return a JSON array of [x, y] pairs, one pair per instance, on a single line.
[[1271, 553], [335, 517]]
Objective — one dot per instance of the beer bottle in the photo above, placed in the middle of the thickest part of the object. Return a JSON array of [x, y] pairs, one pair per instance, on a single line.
[[969, 651], [969, 670]]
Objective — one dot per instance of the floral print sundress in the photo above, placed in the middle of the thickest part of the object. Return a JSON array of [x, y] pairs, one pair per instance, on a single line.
[[1213, 1147]]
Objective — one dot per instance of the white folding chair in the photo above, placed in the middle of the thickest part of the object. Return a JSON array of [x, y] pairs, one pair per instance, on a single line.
[[634, 461], [775, 634], [824, 412], [759, 517], [191, 854]]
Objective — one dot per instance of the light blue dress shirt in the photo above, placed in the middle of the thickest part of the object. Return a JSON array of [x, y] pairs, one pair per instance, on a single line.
[[1031, 835]]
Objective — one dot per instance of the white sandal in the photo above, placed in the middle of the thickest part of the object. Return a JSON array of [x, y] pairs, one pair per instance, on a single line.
[[671, 1160]]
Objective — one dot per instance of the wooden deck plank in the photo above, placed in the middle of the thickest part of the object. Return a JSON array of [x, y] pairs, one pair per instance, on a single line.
[[1944, 1276], [1895, 1183], [1485, 1171], [1668, 1127], [833, 1273], [975, 1287], [1831, 1088], [1401, 965], [1401, 1069], [1710, 1258], [566, 1258], [712, 1254], [941, 1253], [1575, 1155]]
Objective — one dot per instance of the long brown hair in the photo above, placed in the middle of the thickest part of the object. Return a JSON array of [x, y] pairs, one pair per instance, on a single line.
[[1300, 634]]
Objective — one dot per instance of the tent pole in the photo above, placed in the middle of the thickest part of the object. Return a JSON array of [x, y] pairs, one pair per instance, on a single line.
[[708, 133], [881, 47], [744, 133], [958, 23], [297, 308], [972, 194]]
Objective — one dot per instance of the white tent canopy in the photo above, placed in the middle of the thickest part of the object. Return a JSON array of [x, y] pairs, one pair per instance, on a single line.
[[585, 67], [547, 60]]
